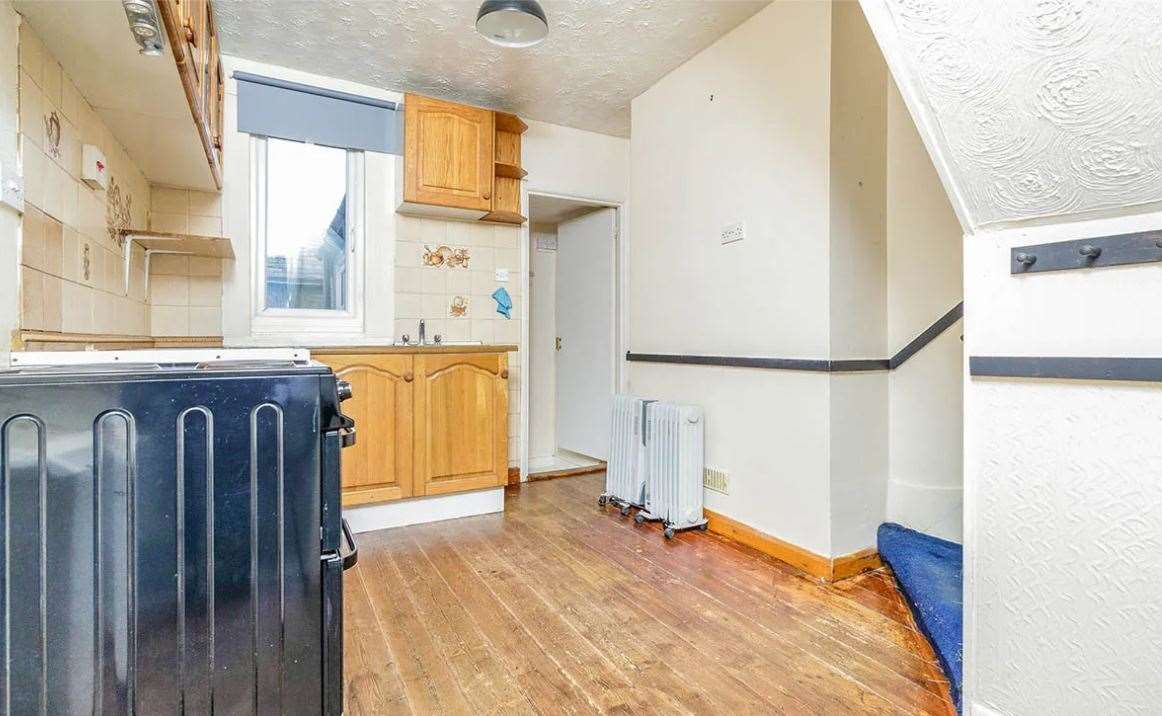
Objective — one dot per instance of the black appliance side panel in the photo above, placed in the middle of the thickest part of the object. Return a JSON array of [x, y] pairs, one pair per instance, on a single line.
[[164, 546]]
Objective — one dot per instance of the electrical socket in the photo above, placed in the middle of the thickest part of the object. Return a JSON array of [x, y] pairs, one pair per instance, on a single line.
[[733, 232], [11, 190], [716, 479]]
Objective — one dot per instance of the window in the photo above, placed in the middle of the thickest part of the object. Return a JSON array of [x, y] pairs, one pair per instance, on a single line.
[[308, 223]]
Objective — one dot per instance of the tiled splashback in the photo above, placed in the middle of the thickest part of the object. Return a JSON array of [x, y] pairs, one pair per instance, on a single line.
[[445, 273], [185, 292], [71, 259]]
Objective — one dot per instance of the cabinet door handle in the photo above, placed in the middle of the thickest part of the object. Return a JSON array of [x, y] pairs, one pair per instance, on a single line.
[[504, 374], [190, 36], [487, 195], [408, 377]]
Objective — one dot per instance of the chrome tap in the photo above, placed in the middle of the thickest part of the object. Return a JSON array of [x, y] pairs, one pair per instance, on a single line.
[[423, 339]]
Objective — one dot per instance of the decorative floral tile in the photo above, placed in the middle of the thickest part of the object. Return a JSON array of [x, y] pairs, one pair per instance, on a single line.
[[52, 134], [118, 211], [446, 256], [458, 307]]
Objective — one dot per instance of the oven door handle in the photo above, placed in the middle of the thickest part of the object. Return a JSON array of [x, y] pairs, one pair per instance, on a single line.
[[352, 557]]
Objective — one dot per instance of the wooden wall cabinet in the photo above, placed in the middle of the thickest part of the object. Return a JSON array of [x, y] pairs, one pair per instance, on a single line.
[[426, 424], [461, 162], [193, 36]]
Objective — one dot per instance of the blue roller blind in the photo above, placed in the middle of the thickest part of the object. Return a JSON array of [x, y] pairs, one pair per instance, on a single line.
[[288, 110]]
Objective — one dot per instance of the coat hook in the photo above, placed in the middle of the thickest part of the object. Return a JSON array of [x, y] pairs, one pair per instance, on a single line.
[[1026, 259], [1090, 251]]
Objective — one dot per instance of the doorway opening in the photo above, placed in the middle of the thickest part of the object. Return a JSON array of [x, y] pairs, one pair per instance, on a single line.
[[573, 336]]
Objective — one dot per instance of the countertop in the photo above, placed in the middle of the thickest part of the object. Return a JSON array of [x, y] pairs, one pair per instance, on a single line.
[[411, 350]]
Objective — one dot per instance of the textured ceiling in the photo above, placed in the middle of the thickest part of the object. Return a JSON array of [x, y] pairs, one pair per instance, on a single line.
[[599, 55], [1041, 108]]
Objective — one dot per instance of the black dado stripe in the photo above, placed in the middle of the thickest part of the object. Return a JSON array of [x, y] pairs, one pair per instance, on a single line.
[[1068, 368], [927, 336], [855, 365]]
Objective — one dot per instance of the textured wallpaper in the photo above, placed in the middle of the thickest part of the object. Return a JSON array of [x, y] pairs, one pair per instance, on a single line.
[[1042, 107]]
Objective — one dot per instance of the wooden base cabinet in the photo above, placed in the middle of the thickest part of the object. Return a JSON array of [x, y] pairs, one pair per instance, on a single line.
[[461, 408], [426, 424], [378, 467]]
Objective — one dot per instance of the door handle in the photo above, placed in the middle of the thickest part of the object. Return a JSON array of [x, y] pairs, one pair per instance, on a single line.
[[558, 343], [352, 558]]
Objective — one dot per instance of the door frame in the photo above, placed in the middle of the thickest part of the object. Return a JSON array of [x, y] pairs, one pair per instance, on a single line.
[[619, 318]]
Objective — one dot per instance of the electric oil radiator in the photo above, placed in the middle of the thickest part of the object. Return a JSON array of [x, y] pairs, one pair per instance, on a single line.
[[656, 462]]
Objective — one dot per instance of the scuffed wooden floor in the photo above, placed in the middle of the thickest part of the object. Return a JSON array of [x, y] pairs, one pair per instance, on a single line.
[[557, 606]]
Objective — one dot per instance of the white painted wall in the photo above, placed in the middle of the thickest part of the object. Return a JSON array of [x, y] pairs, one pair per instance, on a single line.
[[9, 164], [924, 267], [758, 152], [542, 346], [858, 280], [1049, 120]]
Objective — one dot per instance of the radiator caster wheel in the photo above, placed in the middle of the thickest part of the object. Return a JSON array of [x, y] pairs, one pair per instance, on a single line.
[[704, 526], [668, 533], [639, 518], [601, 501], [624, 510]]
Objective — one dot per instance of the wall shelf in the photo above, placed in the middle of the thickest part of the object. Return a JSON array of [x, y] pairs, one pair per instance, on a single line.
[[504, 217], [510, 171], [506, 122], [168, 242]]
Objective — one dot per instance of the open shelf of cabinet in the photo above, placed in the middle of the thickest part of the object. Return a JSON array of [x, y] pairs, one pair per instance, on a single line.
[[504, 217], [510, 171]]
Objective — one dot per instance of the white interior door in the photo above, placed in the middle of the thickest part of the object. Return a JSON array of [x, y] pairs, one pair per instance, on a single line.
[[585, 290]]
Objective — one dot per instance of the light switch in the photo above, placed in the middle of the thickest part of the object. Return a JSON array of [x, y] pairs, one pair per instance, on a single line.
[[502, 275]]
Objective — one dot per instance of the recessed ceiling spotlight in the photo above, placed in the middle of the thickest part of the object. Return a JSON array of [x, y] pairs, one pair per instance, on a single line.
[[512, 23]]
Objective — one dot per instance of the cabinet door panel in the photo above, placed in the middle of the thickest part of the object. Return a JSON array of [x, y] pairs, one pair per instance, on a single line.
[[447, 154], [461, 422], [379, 466]]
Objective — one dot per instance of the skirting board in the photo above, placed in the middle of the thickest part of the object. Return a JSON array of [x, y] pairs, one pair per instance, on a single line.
[[826, 569], [366, 518]]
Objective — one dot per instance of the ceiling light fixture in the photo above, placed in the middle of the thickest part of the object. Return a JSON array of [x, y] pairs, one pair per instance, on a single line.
[[512, 23], [145, 25]]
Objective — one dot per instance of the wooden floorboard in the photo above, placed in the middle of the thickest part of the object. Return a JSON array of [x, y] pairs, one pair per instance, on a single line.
[[557, 606]]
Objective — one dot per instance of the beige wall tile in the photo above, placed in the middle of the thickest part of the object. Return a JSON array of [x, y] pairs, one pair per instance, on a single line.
[[169, 201], [204, 203], [408, 305], [52, 303], [408, 279], [76, 308], [178, 223], [169, 320], [104, 312], [482, 258], [31, 299], [32, 237], [205, 225], [169, 265], [113, 276], [433, 280], [481, 330], [31, 110], [505, 237], [203, 266], [34, 172], [205, 321], [433, 305], [72, 103], [205, 291], [169, 290], [459, 281], [457, 330], [53, 247], [70, 255], [506, 331], [483, 282], [507, 259], [51, 80], [408, 254], [31, 52], [433, 231]]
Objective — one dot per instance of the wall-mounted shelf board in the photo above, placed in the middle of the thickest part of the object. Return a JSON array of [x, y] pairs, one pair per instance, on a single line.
[[510, 171], [168, 242], [504, 217], [510, 123]]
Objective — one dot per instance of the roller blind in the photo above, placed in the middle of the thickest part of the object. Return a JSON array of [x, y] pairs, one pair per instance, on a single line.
[[289, 110]]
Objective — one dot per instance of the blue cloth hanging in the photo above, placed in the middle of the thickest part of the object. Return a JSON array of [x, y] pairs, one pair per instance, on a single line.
[[503, 302]]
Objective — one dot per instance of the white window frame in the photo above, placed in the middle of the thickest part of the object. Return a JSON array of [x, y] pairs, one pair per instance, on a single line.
[[280, 321]]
